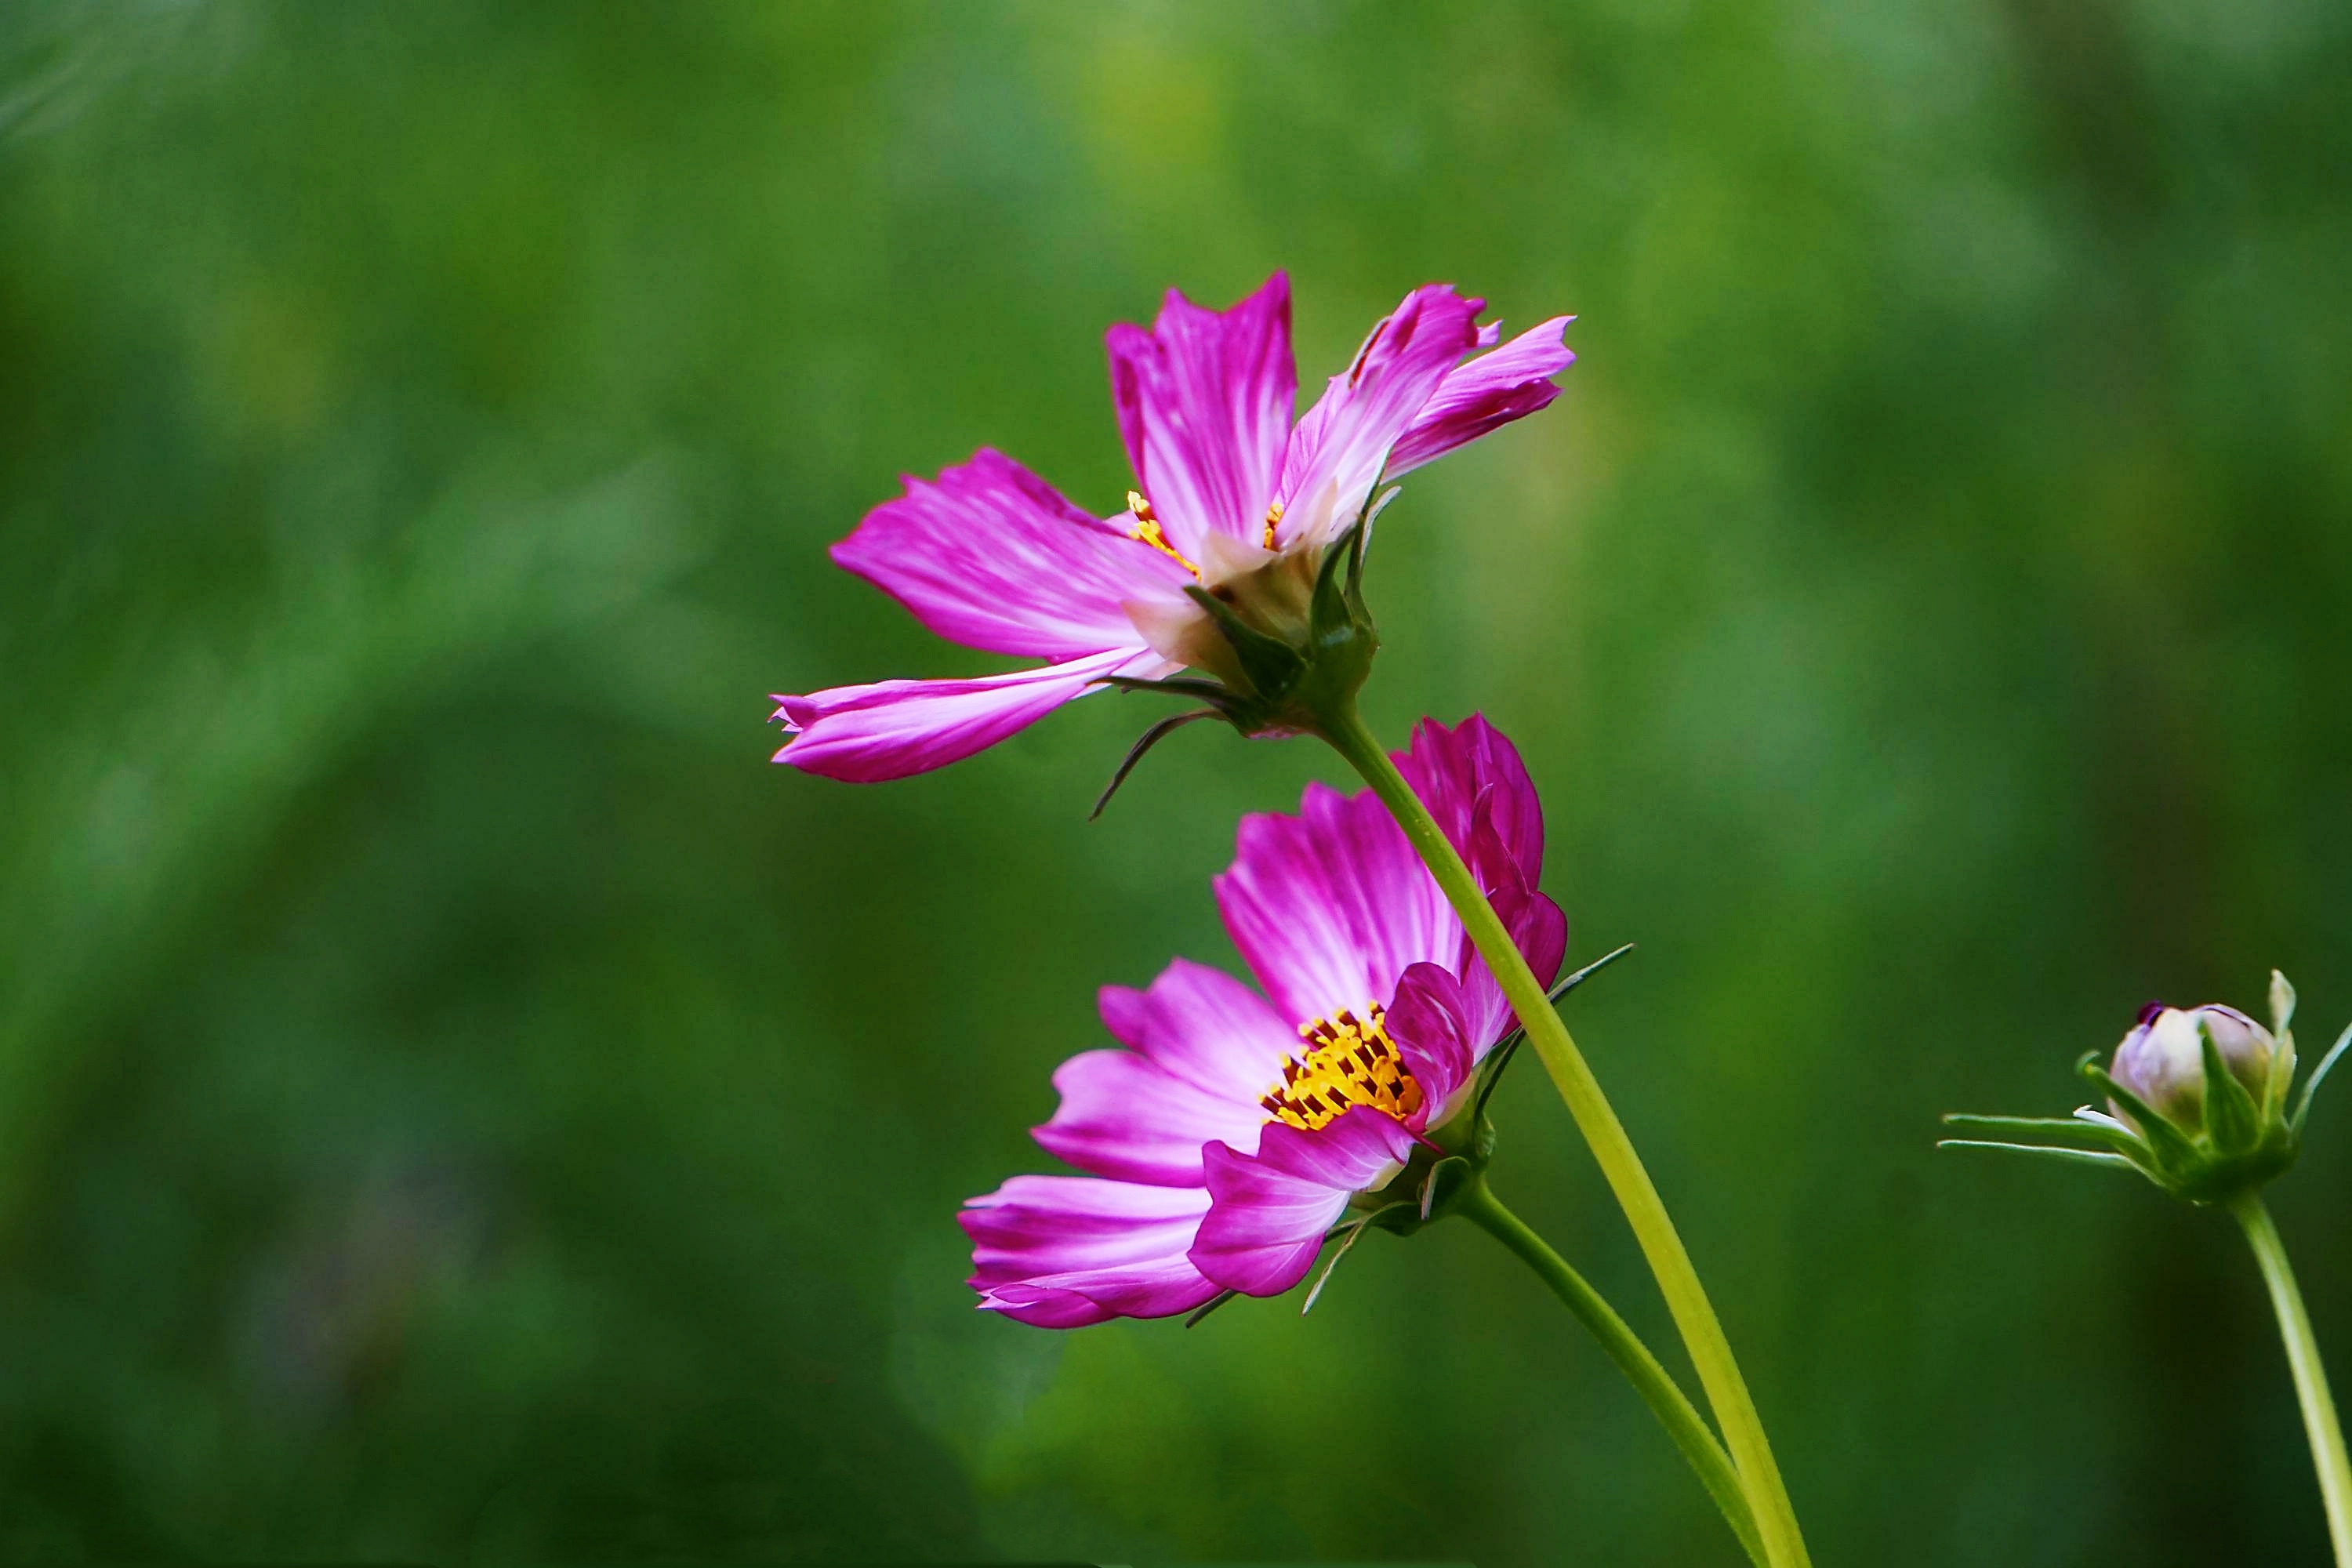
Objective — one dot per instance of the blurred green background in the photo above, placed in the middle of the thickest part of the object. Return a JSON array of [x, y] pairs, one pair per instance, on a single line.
[[458, 1102]]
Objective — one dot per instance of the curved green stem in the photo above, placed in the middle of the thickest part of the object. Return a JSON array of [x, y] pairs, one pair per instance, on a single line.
[[1710, 1352], [2319, 1422], [1665, 1398]]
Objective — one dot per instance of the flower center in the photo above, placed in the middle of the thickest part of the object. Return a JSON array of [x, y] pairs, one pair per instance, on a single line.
[[1147, 529], [1346, 1063]]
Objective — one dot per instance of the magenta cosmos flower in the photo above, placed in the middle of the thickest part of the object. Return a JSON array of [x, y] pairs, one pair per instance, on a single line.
[[990, 556], [1235, 1125]]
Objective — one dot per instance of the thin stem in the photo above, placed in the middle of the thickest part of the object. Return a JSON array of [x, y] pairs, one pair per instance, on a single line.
[[1710, 1352], [2310, 1378], [1664, 1396]]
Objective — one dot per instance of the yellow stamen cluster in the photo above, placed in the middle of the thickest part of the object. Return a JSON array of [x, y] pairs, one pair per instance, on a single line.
[[1147, 529], [1346, 1063], [1272, 516]]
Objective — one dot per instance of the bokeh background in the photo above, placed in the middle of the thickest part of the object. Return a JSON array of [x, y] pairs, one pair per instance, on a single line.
[[458, 1102]]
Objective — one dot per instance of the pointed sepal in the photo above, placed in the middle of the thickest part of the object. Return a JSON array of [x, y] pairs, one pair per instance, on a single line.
[[1144, 742]]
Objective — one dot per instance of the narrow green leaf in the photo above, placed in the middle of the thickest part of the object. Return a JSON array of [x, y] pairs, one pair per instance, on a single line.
[[1324, 1278], [1500, 1057], [1143, 743], [2069, 1156], [2311, 1084], [2232, 1119], [2281, 1003], [2044, 1126], [1194, 686], [1209, 1306]]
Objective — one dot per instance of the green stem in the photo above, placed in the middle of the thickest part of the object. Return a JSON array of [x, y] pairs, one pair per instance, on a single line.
[[2310, 1378], [1683, 1423], [1710, 1352]]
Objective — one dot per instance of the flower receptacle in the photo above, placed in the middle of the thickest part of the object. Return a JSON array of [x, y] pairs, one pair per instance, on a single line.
[[1282, 647]]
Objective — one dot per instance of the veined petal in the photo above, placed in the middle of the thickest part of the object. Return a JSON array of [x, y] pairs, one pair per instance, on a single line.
[[1205, 401], [1341, 444], [1488, 392], [1540, 929], [1063, 1251], [1269, 1212], [1450, 770], [1124, 1116], [1430, 1022], [1330, 907], [1204, 1027], [992, 556], [895, 728]]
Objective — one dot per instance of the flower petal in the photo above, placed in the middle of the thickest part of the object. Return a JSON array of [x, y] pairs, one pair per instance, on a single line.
[[1063, 1251], [1450, 770], [1341, 444], [1209, 1030], [992, 556], [1124, 1116], [1330, 907], [1269, 1212], [1540, 929], [1203, 1049], [1430, 1025], [1486, 392], [1205, 401], [895, 728]]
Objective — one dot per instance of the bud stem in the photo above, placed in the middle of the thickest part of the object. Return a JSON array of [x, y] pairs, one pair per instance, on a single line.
[[2319, 1422], [1667, 1400], [1646, 1212]]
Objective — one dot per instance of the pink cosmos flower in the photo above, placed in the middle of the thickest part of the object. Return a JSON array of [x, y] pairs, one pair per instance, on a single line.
[[990, 556], [1221, 1150]]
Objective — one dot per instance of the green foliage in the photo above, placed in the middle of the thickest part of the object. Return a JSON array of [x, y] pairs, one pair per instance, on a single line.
[[458, 1102]]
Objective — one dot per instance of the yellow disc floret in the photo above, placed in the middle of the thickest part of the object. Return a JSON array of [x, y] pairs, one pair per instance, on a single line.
[[1348, 1062]]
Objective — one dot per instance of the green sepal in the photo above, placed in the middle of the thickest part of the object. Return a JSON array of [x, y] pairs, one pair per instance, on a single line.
[[1209, 1306], [1143, 743], [1198, 687], [2282, 1001], [2232, 1121], [1500, 1057], [1443, 1184], [1328, 614], [1357, 537], [2311, 1084], [2068, 1156], [2175, 1154], [2281, 1081], [2121, 1140], [1348, 1240], [1271, 665]]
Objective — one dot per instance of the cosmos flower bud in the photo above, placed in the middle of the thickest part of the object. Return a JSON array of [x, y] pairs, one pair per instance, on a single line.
[[2162, 1059], [2199, 1101]]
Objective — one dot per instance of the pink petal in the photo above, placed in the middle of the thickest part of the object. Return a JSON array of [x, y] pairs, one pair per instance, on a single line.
[[1330, 907], [1269, 1213], [990, 556], [1450, 769], [1205, 401], [1430, 1023], [1341, 443], [1541, 930], [1124, 1116], [895, 728], [1063, 1251], [1485, 394], [1207, 1028]]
